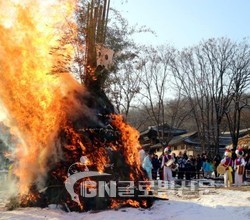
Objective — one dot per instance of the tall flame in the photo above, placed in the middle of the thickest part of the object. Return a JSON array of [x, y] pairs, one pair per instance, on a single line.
[[32, 96], [130, 140]]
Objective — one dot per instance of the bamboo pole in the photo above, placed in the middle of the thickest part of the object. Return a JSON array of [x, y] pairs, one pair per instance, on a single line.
[[96, 25]]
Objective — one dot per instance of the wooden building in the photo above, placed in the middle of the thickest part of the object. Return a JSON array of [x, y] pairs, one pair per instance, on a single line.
[[182, 141]]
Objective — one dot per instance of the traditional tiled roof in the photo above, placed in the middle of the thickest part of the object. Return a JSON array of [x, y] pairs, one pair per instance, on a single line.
[[167, 130]]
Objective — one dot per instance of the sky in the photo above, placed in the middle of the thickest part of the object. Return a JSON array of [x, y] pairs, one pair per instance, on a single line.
[[184, 23]]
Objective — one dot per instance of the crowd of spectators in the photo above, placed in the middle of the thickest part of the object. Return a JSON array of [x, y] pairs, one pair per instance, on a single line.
[[187, 166]]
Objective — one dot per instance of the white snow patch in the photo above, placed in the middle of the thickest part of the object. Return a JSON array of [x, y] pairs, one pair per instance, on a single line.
[[214, 204]]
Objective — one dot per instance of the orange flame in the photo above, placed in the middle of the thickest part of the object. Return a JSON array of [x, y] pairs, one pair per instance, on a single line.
[[129, 202], [130, 140], [31, 95], [29, 198]]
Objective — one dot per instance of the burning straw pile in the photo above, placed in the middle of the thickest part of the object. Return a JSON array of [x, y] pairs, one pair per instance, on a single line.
[[64, 128]]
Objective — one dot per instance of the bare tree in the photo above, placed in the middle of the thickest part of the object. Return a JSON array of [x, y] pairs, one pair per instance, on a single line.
[[178, 111], [207, 76], [123, 84], [215, 57], [155, 87], [240, 68], [125, 89], [192, 87]]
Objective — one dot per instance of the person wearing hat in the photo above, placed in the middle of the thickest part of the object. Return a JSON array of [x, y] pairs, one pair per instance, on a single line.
[[227, 162], [167, 171], [239, 166]]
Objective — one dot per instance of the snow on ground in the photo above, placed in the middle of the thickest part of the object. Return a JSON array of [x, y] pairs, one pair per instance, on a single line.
[[211, 203]]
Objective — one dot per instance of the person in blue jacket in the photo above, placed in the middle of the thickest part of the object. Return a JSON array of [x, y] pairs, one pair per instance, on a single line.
[[147, 165], [207, 167]]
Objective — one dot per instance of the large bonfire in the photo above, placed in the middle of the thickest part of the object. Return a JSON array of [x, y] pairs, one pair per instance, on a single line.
[[58, 121]]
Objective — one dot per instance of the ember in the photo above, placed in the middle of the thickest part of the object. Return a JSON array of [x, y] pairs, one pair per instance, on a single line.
[[65, 129]]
